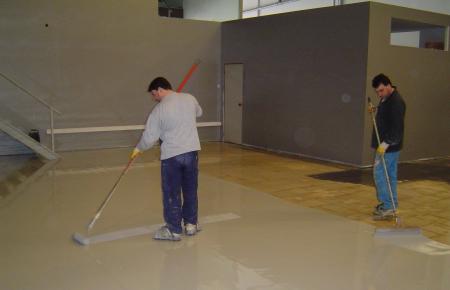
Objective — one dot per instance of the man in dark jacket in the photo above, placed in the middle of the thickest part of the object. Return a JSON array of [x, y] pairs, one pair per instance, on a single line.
[[390, 122]]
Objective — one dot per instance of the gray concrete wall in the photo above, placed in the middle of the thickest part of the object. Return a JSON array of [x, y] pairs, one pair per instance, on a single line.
[[422, 77], [94, 62], [304, 83]]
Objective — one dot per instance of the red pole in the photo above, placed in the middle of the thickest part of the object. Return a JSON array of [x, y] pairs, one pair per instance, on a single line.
[[188, 75]]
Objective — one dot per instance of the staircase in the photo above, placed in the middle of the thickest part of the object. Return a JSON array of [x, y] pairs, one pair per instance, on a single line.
[[14, 140], [26, 140], [10, 146]]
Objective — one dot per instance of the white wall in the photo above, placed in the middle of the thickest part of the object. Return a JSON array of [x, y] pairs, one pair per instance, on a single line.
[[410, 38], [249, 14], [283, 7], [212, 10], [250, 4], [297, 5], [439, 6]]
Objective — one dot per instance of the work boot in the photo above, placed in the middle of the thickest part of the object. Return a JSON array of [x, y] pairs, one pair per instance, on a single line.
[[385, 214], [164, 233], [191, 229]]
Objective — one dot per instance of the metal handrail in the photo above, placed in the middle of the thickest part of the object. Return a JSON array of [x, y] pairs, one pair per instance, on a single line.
[[49, 107], [30, 94]]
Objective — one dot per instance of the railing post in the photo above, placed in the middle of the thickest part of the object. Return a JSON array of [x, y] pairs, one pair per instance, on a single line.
[[52, 130]]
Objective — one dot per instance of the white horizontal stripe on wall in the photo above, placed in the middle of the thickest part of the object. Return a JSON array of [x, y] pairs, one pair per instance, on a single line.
[[117, 128]]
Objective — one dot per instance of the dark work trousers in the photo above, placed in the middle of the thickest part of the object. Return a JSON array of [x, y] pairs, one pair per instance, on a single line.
[[179, 174]]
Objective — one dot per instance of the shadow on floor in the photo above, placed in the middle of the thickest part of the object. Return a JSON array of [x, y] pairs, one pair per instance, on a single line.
[[15, 173], [11, 163], [435, 170]]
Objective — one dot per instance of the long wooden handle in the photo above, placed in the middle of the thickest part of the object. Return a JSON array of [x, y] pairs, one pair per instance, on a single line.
[[108, 198]]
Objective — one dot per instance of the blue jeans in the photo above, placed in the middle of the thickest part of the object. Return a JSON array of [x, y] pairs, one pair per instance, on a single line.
[[383, 195], [179, 174]]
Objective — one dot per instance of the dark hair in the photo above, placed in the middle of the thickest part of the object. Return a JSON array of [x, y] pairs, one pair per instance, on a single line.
[[159, 82], [380, 79]]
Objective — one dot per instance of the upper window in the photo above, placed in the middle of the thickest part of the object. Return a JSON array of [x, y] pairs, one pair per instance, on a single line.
[[170, 8], [418, 34], [217, 10], [254, 8]]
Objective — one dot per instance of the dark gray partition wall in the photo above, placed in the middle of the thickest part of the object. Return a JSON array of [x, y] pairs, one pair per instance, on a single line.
[[423, 78], [304, 83], [308, 75], [93, 60]]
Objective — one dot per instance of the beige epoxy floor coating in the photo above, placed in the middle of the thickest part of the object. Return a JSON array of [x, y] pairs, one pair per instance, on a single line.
[[274, 244]]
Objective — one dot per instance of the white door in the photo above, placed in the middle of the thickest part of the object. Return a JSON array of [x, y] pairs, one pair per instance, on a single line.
[[233, 94]]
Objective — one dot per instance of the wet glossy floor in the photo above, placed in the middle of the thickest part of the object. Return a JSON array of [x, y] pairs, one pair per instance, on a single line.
[[424, 187], [272, 244]]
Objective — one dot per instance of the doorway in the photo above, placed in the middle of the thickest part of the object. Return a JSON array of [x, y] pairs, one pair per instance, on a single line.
[[233, 103]]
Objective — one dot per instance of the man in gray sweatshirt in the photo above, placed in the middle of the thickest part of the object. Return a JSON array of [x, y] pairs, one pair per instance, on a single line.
[[173, 121]]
